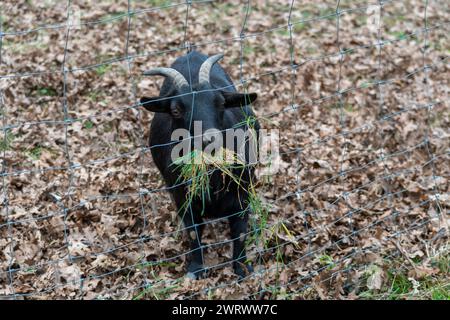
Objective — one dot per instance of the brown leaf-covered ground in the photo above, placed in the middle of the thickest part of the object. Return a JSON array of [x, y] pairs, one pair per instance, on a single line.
[[362, 195]]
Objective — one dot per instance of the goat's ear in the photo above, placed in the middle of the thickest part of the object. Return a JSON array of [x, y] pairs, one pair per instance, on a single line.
[[236, 99], [155, 104]]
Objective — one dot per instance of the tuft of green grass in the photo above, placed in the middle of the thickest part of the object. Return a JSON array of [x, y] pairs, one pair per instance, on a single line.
[[441, 293], [326, 260], [399, 35], [160, 290], [347, 107], [94, 95], [367, 84], [248, 50], [31, 270], [35, 153], [398, 284], [348, 51], [443, 263], [88, 124], [393, 20], [249, 122], [103, 69], [284, 32], [259, 220], [196, 167], [46, 92], [6, 140], [157, 292]]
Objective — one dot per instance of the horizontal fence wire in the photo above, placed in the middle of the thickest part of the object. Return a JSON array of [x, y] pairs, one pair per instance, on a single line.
[[297, 283]]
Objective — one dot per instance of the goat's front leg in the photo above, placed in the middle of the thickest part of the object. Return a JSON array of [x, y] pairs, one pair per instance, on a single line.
[[238, 228], [195, 257]]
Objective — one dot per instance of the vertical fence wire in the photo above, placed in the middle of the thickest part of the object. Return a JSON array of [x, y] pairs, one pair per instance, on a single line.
[[142, 143], [429, 131], [65, 109], [5, 178]]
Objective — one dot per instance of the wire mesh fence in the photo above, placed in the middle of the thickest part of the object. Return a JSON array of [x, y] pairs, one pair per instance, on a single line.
[[357, 90]]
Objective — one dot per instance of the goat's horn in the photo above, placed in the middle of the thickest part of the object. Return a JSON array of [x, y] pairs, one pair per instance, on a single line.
[[205, 69], [178, 79]]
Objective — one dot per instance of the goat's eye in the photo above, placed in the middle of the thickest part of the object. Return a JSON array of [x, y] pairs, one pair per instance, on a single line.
[[176, 111]]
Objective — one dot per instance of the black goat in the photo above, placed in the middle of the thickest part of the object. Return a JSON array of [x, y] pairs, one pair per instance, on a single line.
[[196, 88]]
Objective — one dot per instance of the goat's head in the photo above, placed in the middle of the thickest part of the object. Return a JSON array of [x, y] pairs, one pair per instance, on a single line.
[[196, 102]]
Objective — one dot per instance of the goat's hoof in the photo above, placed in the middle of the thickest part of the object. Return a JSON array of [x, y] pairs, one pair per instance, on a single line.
[[242, 270], [196, 271]]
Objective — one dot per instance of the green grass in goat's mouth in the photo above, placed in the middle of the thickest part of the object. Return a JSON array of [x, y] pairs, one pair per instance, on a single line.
[[196, 167]]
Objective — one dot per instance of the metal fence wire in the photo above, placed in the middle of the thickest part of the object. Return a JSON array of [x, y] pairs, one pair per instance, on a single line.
[[358, 92]]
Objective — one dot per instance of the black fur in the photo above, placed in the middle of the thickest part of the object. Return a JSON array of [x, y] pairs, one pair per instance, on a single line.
[[221, 109]]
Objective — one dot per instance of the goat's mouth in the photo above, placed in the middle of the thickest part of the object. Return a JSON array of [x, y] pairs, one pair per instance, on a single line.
[[216, 158]]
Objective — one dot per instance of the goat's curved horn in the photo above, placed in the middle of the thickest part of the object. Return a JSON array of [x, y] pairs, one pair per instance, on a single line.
[[205, 69], [178, 79]]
